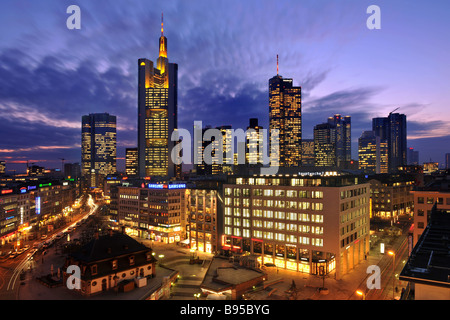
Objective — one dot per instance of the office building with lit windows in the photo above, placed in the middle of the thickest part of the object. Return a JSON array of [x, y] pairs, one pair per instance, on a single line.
[[254, 147], [157, 113], [308, 224], [98, 144], [343, 139], [392, 131], [131, 161], [203, 218], [2, 167], [372, 153], [152, 211], [285, 115], [325, 145]]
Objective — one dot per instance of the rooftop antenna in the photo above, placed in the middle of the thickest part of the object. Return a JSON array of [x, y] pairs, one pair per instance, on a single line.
[[277, 64]]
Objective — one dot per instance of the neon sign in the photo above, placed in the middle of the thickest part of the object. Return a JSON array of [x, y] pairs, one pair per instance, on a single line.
[[38, 205]]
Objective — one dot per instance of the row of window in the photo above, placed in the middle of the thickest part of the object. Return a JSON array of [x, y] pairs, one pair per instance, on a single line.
[[237, 192], [258, 213], [318, 206]]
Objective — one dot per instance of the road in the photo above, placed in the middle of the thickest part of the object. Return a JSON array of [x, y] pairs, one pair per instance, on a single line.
[[12, 268]]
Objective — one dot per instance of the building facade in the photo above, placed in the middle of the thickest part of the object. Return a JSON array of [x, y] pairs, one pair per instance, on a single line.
[[131, 162], [308, 152], [152, 211], [203, 214], [157, 113], [392, 130], [372, 153], [325, 145], [343, 139], [98, 144], [310, 225]]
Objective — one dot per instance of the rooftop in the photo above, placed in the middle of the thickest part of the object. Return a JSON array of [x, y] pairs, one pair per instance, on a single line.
[[429, 262]]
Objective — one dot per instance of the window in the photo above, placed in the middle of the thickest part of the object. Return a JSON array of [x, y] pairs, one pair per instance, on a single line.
[[131, 260], [430, 200], [420, 212], [94, 269], [114, 262], [420, 200], [420, 225]]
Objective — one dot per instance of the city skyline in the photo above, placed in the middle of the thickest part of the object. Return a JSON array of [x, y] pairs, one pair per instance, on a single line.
[[343, 68]]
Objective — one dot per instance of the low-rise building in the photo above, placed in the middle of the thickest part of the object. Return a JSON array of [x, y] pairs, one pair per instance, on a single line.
[[110, 261], [308, 224]]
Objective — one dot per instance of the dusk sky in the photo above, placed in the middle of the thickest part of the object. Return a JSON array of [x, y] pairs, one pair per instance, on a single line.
[[226, 53]]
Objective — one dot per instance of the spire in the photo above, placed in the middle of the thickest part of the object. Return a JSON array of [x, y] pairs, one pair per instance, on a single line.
[[162, 25], [277, 64]]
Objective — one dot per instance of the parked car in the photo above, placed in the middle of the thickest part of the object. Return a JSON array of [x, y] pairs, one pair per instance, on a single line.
[[44, 236], [12, 255]]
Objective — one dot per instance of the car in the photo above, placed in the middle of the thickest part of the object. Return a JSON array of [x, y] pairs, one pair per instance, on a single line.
[[59, 235], [44, 236], [70, 229], [20, 251], [12, 255]]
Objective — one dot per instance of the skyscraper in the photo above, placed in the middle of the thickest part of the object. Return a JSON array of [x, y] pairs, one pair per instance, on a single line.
[[254, 148], [285, 114], [98, 144], [131, 161], [392, 130], [343, 139], [370, 153], [157, 113], [325, 145], [447, 161]]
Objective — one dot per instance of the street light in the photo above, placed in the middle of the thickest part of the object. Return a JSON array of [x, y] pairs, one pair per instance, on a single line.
[[392, 253], [360, 293]]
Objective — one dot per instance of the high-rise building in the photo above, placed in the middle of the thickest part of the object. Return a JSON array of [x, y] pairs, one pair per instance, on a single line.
[[98, 144], [285, 115], [343, 139], [372, 153], [392, 130], [308, 152], [255, 139], [412, 157], [447, 161], [157, 113], [325, 145], [131, 161], [369, 152]]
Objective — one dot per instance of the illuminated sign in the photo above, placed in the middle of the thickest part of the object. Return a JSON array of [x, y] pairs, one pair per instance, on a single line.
[[31, 187], [23, 190], [7, 191], [9, 217], [155, 186], [38, 205], [177, 186], [45, 185]]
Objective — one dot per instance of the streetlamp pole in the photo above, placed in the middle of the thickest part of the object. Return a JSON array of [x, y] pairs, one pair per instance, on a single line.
[[392, 253]]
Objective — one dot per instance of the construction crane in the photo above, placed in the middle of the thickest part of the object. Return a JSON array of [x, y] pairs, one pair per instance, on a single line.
[[394, 110]]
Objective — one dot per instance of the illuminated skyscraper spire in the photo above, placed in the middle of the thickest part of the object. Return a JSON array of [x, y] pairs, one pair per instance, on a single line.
[[277, 64], [162, 25], [162, 41]]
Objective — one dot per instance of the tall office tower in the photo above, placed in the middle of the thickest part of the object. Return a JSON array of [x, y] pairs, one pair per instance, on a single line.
[[447, 161], [325, 145], [412, 156], [308, 152], [227, 159], [98, 144], [343, 139], [285, 114], [131, 161], [157, 113], [255, 140], [369, 152], [392, 129]]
